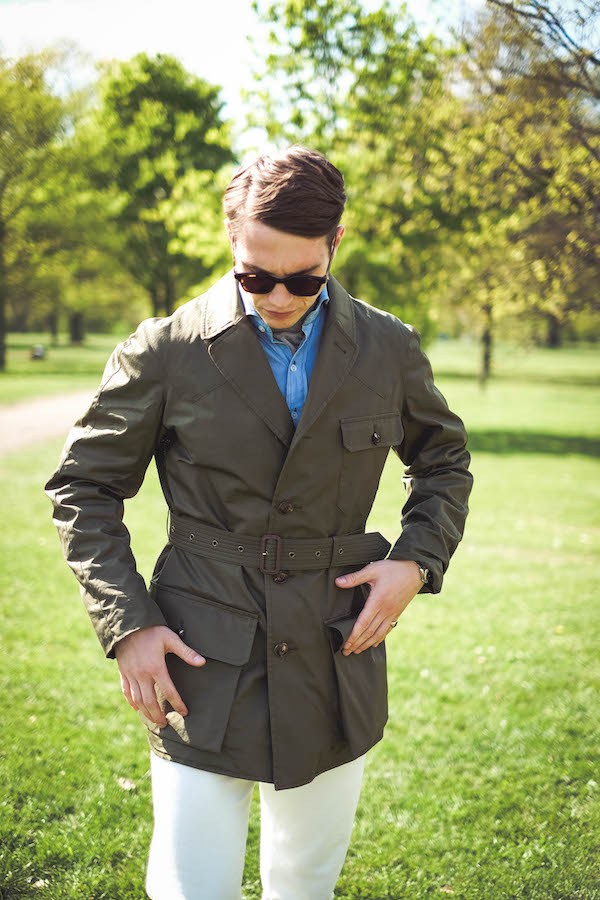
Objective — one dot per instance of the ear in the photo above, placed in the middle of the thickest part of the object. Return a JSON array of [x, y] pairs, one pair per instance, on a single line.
[[338, 237], [229, 230]]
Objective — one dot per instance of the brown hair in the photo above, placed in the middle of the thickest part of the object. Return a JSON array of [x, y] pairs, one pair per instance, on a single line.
[[296, 190]]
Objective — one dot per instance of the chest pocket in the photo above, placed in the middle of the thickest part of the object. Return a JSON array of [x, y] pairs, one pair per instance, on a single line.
[[366, 441]]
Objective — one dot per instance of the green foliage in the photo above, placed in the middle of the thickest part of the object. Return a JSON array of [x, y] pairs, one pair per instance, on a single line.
[[529, 156], [359, 86], [33, 125], [472, 170], [160, 141]]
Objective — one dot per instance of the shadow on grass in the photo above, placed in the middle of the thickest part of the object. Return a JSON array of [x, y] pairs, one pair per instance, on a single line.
[[531, 442], [547, 378]]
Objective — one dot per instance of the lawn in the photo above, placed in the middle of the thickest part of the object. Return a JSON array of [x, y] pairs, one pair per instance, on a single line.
[[486, 785], [64, 368]]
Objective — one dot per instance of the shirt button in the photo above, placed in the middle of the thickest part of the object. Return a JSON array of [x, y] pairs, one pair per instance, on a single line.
[[375, 437], [281, 648], [295, 414], [286, 507], [280, 578], [261, 328], [293, 367]]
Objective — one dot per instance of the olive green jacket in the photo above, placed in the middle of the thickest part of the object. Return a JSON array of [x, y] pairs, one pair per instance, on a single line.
[[196, 391]]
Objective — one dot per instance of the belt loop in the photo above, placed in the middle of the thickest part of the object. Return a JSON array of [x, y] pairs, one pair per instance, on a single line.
[[264, 553]]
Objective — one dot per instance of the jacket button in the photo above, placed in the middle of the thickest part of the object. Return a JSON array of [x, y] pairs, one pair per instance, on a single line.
[[375, 437], [286, 507], [281, 649], [280, 578]]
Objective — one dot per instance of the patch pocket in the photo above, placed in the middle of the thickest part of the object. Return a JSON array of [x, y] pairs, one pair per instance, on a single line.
[[366, 441], [224, 636], [362, 685]]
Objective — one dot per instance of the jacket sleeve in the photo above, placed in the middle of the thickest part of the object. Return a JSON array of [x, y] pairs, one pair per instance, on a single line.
[[436, 476], [103, 462]]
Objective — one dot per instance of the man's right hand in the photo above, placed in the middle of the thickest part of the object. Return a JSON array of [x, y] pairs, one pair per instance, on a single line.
[[141, 660]]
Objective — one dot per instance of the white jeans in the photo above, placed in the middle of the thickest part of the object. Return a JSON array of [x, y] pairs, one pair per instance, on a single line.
[[201, 825]]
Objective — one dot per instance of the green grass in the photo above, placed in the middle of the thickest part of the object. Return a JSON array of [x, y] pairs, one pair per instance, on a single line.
[[486, 783], [65, 367]]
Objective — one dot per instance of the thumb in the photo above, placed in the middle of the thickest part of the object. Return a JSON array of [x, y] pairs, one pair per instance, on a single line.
[[353, 578], [187, 654]]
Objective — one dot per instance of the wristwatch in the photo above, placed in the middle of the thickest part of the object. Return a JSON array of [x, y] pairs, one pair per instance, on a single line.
[[424, 573]]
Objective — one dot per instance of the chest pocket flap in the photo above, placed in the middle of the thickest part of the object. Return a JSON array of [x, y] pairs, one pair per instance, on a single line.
[[368, 432]]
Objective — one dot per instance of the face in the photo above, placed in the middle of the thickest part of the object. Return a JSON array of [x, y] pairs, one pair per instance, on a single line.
[[260, 248]]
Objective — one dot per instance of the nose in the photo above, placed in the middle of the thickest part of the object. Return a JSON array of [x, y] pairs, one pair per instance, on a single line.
[[280, 297]]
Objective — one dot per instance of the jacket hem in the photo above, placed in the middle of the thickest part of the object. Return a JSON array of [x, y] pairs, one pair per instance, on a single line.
[[221, 770], [218, 770]]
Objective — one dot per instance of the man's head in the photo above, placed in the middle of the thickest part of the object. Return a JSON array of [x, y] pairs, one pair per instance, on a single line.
[[283, 213]]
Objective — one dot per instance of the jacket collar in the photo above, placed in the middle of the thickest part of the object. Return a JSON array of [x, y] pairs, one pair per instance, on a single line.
[[224, 307], [236, 351]]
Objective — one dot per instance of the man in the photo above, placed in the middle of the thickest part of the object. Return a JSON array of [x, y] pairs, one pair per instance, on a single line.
[[270, 404]]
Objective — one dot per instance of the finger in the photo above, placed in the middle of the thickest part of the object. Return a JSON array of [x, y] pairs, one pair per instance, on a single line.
[[376, 638], [126, 688], [174, 644], [150, 701], [363, 630], [136, 693], [171, 693], [353, 578]]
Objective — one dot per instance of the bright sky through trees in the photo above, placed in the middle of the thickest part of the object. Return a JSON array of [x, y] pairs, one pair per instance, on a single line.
[[209, 39]]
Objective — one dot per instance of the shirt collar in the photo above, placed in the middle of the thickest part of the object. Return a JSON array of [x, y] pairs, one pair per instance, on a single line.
[[258, 319]]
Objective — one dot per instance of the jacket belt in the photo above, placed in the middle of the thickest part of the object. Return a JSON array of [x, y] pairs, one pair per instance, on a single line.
[[272, 553]]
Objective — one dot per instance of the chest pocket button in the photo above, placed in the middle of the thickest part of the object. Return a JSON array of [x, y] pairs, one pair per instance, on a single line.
[[375, 437]]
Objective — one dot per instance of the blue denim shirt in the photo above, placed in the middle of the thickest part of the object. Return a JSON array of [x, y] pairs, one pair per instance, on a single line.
[[292, 371]]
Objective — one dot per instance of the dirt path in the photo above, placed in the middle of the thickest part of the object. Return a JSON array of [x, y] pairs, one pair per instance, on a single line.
[[32, 421]]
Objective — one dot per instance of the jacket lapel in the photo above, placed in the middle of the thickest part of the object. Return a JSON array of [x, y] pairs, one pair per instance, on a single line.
[[337, 352], [236, 351]]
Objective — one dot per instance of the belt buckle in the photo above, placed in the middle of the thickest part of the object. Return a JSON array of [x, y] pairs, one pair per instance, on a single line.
[[264, 553]]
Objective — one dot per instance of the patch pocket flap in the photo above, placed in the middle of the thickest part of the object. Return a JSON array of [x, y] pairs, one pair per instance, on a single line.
[[211, 628], [340, 630], [369, 432]]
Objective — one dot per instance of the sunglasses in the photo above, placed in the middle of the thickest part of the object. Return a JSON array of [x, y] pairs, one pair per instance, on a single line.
[[299, 285]]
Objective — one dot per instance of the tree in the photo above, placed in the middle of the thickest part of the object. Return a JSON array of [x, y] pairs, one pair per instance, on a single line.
[[533, 100], [367, 89], [33, 121], [154, 125]]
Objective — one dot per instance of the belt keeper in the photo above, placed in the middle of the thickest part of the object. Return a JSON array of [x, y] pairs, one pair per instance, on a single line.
[[264, 553]]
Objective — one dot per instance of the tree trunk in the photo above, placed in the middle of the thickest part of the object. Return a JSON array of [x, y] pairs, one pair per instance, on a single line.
[[2, 301], [486, 346], [53, 327], [554, 332], [169, 294], [76, 329], [154, 299]]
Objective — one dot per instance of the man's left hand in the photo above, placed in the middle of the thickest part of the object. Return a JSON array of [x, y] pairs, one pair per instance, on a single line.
[[393, 585]]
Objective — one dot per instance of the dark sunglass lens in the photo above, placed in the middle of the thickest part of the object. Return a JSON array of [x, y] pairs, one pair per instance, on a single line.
[[257, 284], [303, 285]]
